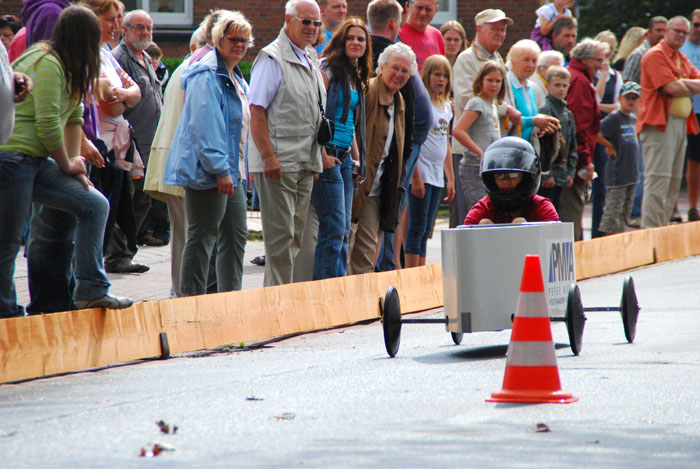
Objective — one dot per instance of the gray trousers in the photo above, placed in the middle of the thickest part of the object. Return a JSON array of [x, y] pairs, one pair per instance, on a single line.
[[572, 201], [214, 218], [178, 235], [284, 204]]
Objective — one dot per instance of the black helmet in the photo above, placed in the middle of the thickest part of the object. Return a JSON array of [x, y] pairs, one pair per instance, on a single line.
[[510, 154]]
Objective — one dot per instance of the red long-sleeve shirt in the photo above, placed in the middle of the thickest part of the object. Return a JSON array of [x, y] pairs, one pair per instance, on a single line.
[[583, 104]]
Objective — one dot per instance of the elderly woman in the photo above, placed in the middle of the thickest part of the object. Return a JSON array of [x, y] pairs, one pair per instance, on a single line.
[[9, 25], [586, 60], [40, 162], [375, 204], [207, 158], [547, 59], [522, 62], [346, 71], [455, 40]]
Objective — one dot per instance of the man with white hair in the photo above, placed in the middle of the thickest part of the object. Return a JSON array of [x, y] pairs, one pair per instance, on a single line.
[[286, 95], [664, 119], [333, 13], [131, 55], [547, 59]]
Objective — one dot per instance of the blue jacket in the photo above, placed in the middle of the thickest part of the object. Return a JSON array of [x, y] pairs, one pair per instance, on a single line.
[[208, 136]]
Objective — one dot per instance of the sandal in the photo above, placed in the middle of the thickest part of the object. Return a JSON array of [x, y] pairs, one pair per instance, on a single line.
[[259, 260]]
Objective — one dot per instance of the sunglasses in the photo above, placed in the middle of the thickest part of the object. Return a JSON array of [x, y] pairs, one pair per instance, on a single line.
[[237, 40], [306, 22], [513, 175], [696, 25]]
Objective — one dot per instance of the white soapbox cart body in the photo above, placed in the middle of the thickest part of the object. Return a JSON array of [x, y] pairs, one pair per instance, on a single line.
[[482, 267]]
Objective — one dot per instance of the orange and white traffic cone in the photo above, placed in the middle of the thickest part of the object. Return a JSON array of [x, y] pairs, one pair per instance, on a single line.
[[531, 367]]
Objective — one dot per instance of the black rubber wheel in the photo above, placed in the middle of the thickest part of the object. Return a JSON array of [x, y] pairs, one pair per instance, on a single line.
[[629, 308], [575, 319], [457, 337], [391, 321]]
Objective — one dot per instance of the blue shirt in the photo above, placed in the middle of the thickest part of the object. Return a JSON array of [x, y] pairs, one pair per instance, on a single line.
[[692, 51], [345, 131]]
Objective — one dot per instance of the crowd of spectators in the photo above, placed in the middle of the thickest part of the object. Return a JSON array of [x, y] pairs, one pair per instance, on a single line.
[[350, 147]]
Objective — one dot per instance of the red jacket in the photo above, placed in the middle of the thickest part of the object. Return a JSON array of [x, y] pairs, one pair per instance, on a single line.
[[583, 104]]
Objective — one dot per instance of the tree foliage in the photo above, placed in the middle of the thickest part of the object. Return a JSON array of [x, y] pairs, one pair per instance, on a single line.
[[620, 15]]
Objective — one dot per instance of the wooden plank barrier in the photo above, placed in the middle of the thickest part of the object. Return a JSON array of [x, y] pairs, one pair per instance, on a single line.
[[57, 343], [615, 253]]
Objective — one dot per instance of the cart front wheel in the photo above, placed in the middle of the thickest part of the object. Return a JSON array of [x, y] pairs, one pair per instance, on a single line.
[[629, 309], [391, 321], [457, 337], [575, 319]]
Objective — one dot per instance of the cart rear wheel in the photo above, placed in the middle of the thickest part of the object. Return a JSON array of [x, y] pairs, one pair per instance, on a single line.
[[391, 321], [575, 319], [457, 337], [629, 308]]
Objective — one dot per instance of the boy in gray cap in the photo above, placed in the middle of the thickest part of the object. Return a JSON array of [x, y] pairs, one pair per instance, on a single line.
[[618, 135]]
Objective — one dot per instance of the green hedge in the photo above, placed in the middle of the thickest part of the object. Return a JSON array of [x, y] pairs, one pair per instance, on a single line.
[[172, 63]]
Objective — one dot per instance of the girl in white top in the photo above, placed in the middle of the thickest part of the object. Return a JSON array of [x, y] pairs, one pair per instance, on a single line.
[[549, 13], [434, 162]]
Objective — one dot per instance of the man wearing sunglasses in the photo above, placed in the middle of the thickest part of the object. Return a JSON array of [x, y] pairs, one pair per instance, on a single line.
[[691, 49], [285, 95], [664, 120]]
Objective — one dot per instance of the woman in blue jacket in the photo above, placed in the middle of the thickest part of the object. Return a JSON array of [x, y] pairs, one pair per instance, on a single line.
[[207, 158], [346, 70]]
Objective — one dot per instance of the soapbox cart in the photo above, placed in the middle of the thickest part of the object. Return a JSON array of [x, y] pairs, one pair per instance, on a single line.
[[482, 267]]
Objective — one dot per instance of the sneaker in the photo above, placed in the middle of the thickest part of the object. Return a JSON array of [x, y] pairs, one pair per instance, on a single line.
[[126, 267], [107, 301], [634, 222], [693, 214]]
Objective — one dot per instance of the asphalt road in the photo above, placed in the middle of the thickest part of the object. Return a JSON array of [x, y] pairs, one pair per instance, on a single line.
[[334, 399]]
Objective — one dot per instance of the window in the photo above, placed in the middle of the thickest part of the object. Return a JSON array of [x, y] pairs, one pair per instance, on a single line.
[[447, 10], [164, 12]]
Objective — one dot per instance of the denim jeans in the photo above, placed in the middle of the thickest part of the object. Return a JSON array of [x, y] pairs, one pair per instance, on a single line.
[[639, 188], [600, 161], [332, 198], [25, 179], [421, 214], [214, 219]]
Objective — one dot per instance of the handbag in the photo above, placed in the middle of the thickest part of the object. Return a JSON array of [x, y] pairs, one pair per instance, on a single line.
[[327, 127]]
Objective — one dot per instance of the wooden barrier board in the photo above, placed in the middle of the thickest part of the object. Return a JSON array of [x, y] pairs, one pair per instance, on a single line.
[[615, 253]]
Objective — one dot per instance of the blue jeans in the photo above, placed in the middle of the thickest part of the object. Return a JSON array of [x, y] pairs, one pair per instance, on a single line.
[[600, 161], [332, 198], [421, 214], [25, 179]]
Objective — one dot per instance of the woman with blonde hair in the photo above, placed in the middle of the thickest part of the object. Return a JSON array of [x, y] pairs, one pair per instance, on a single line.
[[630, 41], [207, 158]]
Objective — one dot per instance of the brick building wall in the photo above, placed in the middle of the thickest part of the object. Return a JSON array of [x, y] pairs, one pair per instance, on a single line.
[[267, 17]]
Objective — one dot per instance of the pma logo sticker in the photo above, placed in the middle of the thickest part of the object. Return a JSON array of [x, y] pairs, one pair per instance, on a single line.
[[561, 262], [561, 273]]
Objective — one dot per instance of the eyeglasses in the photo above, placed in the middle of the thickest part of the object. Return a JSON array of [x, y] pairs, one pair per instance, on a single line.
[[140, 27], [513, 175], [600, 61], [237, 40], [307, 22], [680, 31]]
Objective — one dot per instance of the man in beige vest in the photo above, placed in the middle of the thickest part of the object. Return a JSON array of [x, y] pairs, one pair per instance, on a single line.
[[286, 87], [491, 27]]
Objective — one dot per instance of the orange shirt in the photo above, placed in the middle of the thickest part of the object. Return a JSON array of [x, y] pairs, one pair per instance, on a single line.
[[659, 68]]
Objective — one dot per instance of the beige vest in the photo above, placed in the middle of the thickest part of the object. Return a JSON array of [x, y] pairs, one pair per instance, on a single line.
[[293, 116]]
